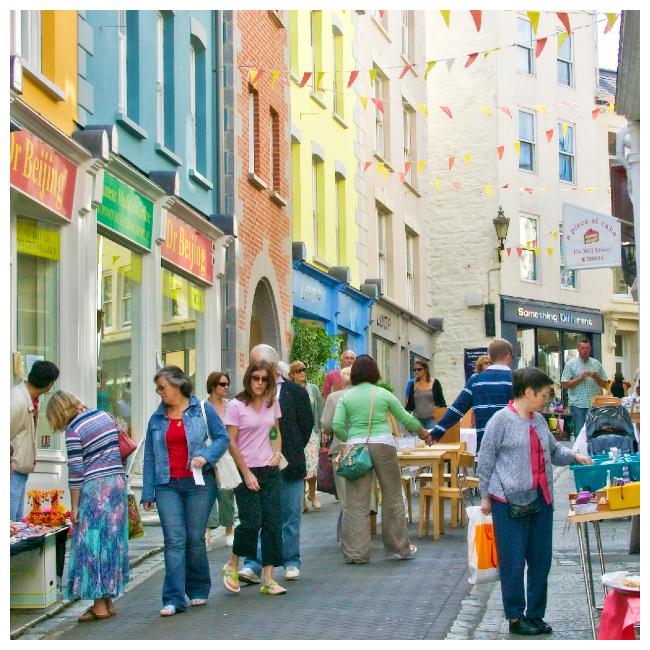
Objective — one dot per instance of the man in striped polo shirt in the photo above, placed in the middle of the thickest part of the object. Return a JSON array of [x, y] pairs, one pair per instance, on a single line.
[[486, 392]]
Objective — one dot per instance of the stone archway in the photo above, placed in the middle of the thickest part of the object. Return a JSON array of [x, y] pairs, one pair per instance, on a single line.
[[264, 326]]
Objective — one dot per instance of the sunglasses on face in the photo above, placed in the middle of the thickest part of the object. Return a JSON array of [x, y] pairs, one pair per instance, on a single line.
[[300, 370], [264, 379], [160, 389], [419, 369], [223, 384]]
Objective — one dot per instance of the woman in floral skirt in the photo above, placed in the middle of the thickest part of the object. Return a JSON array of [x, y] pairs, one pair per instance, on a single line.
[[99, 563]]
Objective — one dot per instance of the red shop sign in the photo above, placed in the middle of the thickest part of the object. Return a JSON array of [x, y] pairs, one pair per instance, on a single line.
[[43, 174], [188, 249]]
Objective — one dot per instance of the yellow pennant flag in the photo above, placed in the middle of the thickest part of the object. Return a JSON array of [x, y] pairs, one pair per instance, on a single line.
[[364, 101], [550, 250], [561, 37], [486, 111], [517, 146], [539, 107], [527, 244], [445, 15], [488, 190], [422, 108], [565, 128], [319, 78], [611, 19], [468, 159], [589, 189], [536, 250], [251, 75], [274, 77], [430, 66], [612, 107], [533, 16], [438, 183], [373, 74], [494, 49], [380, 167], [555, 234], [421, 164]]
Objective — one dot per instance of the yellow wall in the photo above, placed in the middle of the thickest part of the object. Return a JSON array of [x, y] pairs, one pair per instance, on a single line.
[[313, 114], [59, 65]]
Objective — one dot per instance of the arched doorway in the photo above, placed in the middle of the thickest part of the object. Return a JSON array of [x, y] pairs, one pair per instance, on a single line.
[[264, 326]]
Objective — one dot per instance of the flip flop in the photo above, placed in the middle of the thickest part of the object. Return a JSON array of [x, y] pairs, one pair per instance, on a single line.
[[230, 578], [273, 589], [91, 615]]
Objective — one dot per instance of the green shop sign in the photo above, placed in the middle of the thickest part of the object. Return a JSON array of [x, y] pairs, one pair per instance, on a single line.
[[126, 212]]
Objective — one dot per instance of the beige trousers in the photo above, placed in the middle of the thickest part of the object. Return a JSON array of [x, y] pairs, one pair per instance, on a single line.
[[355, 530]]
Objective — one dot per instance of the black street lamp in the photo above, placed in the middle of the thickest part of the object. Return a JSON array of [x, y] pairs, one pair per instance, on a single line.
[[628, 261], [501, 223]]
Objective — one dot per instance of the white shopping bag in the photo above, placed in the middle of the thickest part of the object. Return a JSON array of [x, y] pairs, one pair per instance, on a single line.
[[481, 549]]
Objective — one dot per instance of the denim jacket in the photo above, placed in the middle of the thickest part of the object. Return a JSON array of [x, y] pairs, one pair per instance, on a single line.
[[156, 459]]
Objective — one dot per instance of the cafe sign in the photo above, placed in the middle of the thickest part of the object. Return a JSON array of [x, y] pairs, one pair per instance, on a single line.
[[126, 212], [40, 172], [188, 249]]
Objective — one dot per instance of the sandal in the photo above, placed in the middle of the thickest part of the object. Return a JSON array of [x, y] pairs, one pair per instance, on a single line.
[[91, 615], [168, 610], [230, 578], [413, 549], [197, 602], [273, 589]]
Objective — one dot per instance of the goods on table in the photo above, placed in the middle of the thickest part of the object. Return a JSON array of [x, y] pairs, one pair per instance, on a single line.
[[623, 581], [55, 515], [605, 471]]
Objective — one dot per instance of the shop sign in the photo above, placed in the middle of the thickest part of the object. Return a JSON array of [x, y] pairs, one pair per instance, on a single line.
[[310, 294], [592, 240], [188, 249], [40, 172], [469, 360], [554, 317], [126, 212], [39, 242]]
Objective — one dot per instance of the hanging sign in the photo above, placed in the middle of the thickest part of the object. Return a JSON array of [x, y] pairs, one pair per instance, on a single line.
[[188, 249], [40, 172], [592, 240]]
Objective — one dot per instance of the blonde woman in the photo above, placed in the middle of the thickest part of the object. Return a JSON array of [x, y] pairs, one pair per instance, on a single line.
[[99, 563]]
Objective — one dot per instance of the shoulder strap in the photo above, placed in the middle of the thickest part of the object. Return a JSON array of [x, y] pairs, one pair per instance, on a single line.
[[208, 439], [372, 408]]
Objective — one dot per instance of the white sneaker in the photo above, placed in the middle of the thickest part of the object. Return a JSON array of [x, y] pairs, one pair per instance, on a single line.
[[292, 573], [229, 540], [248, 575]]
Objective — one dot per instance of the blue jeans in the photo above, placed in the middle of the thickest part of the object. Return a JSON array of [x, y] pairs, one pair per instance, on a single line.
[[292, 496], [579, 416], [527, 541], [183, 508], [17, 488]]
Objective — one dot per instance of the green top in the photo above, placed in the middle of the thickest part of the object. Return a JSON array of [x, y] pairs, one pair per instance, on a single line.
[[353, 410]]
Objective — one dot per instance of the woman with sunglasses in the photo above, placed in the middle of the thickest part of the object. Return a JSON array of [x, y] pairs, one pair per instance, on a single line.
[[423, 395], [175, 446], [255, 444], [298, 374], [223, 510]]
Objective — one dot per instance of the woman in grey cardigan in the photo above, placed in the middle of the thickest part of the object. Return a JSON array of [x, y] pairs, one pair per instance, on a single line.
[[516, 483]]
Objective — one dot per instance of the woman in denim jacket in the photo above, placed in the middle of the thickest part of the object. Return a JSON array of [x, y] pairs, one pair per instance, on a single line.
[[175, 445]]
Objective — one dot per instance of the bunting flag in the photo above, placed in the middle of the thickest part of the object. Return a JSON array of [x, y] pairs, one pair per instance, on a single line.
[[549, 135], [381, 13], [380, 167], [450, 64], [527, 244], [539, 107], [378, 103], [401, 177], [372, 74], [468, 159], [445, 15], [533, 16], [565, 128], [540, 44], [494, 49], [550, 250], [486, 111], [430, 66], [421, 164], [407, 167], [488, 190], [405, 69], [366, 165], [519, 250], [319, 78], [500, 150], [612, 108], [477, 16], [305, 79], [255, 76], [451, 162], [422, 108], [508, 251], [536, 250], [595, 113], [561, 37], [447, 111], [528, 189], [517, 145], [455, 185], [506, 186], [364, 101], [470, 59], [611, 19], [506, 110], [438, 183], [564, 19], [353, 77], [274, 77]]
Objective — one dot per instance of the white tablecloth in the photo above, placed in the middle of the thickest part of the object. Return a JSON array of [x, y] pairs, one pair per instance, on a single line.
[[469, 436]]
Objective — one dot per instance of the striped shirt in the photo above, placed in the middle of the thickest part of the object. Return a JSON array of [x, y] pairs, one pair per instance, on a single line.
[[93, 449], [486, 392]]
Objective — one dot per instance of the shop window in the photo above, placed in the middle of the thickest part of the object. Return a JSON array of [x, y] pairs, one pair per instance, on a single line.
[[525, 347], [525, 58], [548, 355], [567, 152], [528, 241], [526, 141], [381, 354], [37, 309], [565, 63]]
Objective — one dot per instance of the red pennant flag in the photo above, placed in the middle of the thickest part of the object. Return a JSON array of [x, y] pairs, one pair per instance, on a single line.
[[534, 243], [305, 79], [401, 177], [505, 187], [256, 77], [508, 251], [456, 185], [564, 19], [378, 103], [447, 111], [476, 15], [506, 110], [353, 76], [407, 167], [451, 162], [405, 69], [381, 13], [500, 151], [595, 113], [519, 250], [470, 59], [549, 135], [539, 46], [366, 165], [528, 189]]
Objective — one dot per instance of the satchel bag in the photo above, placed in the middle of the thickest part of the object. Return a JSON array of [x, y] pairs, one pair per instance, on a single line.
[[136, 529], [226, 473], [354, 460], [325, 472], [127, 445], [523, 504]]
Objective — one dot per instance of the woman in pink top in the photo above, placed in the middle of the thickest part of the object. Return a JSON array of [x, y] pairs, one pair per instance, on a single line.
[[252, 422]]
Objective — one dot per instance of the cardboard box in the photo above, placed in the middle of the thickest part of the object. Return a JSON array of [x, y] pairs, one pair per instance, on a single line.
[[33, 576]]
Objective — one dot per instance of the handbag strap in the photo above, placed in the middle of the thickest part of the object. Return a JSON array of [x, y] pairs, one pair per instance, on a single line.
[[372, 408], [208, 440]]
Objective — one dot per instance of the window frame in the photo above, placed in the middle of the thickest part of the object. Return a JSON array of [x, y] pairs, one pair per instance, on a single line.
[[572, 272], [29, 38], [526, 252], [408, 131], [316, 202], [531, 143], [338, 98], [123, 75], [567, 62], [411, 268], [571, 155], [160, 77], [528, 46], [380, 117], [253, 130]]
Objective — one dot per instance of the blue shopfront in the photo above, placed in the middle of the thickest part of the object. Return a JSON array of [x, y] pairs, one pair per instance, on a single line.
[[343, 310]]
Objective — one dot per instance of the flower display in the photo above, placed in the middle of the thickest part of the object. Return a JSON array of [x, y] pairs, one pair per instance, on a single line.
[[55, 515]]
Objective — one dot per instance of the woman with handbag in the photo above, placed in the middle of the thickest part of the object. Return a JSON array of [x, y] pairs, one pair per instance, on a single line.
[[98, 567], [255, 444], [223, 510], [178, 478], [298, 374], [361, 421], [515, 470], [423, 395]]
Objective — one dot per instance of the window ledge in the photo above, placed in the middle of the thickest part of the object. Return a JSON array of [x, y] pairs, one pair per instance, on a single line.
[[340, 120], [277, 198], [132, 127], [169, 154], [572, 183], [527, 171], [317, 99], [412, 188], [255, 180], [380, 158], [293, 77], [563, 288], [382, 29], [275, 15], [201, 180], [44, 83], [323, 263]]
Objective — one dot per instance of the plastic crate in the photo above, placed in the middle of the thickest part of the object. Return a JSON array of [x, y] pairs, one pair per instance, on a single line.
[[594, 477]]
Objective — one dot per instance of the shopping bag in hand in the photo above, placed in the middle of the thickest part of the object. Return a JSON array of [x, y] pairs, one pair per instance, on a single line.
[[325, 472], [481, 547], [136, 529]]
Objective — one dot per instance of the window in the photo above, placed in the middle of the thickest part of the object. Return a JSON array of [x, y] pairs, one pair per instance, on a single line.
[[192, 115], [126, 297], [620, 287], [26, 37], [337, 74], [198, 106], [408, 119], [527, 141], [339, 222], [381, 16], [568, 278], [383, 251], [567, 152], [253, 131], [316, 49], [565, 63], [129, 64], [121, 55], [528, 241], [381, 353], [407, 40], [381, 130], [107, 299], [274, 153], [525, 58], [165, 79], [411, 265], [160, 78], [316, 202], [611, 145]]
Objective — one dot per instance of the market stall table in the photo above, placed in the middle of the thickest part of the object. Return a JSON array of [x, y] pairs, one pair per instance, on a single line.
[[621, 611]]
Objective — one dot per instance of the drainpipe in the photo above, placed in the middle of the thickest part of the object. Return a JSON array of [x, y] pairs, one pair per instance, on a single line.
[[220, 201]]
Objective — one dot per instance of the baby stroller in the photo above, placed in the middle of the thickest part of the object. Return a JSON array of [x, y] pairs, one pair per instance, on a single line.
[[609, 426]]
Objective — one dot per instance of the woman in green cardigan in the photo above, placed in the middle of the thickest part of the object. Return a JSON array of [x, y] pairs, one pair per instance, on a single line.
[[362, 413]]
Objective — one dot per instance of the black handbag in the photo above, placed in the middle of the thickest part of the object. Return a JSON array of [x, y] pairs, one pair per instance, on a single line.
[[523, 504]]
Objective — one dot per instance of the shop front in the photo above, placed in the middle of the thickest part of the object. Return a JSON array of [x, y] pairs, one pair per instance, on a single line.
[[546, 335]]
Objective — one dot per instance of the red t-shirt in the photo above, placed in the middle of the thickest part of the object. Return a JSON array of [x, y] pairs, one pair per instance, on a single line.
[[35, 401], [177, 450]]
